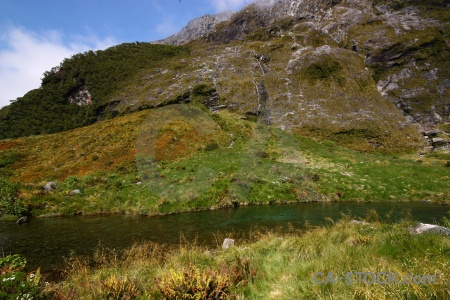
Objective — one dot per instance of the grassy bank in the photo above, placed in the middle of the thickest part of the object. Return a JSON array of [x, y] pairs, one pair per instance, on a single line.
[[271, 265], [144, 164]]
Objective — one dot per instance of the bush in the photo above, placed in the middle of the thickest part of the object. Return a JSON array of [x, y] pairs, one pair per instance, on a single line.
[[119, 288], [8, 201], [193, 283], [72, 182], [211, 146], [14, 283]]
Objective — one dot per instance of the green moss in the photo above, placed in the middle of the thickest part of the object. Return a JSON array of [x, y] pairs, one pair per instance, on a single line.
[[325, 69], [202, 90]]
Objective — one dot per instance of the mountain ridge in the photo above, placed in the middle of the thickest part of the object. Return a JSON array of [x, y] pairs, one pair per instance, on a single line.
[[325, 68]]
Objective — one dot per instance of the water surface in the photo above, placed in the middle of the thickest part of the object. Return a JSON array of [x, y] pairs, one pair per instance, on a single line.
[[44, 242]]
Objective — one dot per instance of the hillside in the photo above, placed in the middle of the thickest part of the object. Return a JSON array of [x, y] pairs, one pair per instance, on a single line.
[[182, 158], [368, 74], [80, 91], [283, 101]]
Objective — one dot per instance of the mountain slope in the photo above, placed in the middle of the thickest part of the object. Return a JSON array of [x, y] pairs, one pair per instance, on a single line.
[[371, 75], [80, 91], [196, 29]]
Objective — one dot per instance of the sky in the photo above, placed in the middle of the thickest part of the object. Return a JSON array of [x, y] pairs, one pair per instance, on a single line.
[[36, 35]]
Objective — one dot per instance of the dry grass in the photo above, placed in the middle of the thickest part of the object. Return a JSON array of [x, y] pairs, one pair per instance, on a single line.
[[282, 265]]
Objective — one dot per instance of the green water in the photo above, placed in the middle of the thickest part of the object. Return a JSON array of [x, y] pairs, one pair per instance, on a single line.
[[45, 242]]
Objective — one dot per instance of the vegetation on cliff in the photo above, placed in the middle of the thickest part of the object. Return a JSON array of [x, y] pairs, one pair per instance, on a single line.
[[101, 73]]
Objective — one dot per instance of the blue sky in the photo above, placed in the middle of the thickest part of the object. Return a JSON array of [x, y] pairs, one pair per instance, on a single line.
[[36, 35]]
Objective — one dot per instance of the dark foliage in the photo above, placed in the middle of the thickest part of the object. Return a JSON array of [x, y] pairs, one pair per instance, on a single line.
[[48, 110]]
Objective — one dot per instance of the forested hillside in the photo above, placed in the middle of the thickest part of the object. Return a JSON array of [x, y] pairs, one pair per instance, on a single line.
[[81, 89]]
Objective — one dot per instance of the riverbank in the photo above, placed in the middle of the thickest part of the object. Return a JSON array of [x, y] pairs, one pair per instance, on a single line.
[[299, 264], [270, 166]]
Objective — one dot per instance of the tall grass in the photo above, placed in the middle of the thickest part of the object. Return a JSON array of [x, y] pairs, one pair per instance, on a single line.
[[275, 265]]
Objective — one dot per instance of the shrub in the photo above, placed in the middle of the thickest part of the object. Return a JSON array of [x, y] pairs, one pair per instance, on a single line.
[[119, 288], [72, 182], [241, 271], [8, 201], [211, 146], [193, 283], [14, 283]]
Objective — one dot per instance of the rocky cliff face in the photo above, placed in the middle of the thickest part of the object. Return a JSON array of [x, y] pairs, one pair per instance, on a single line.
[[370, 68], [371, 75], [404, 42], [82, 97], [196, 29]]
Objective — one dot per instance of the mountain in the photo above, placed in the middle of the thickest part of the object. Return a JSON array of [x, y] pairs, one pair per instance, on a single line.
[[371, 75], [196, 29], [283, 101]]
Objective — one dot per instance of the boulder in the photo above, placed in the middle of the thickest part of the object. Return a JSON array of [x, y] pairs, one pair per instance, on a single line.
[[429, 228], [438, 142], [50, 186], [227, 244], [359, 222], [75, 192], [22, 220]]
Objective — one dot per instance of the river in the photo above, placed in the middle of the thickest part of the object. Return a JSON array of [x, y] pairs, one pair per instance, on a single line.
[[45, 242]]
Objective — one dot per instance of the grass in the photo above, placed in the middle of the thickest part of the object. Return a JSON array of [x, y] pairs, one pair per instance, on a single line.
[[180, 158], [274, 265]]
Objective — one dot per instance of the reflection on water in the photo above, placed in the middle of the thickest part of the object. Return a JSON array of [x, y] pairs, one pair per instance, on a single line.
[[44, 242]]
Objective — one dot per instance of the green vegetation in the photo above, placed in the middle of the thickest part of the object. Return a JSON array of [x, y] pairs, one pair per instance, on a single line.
[[103, 73], [181, 158], [9, 204], [326, 68], [341, 141], [16, 284], [273, 265]]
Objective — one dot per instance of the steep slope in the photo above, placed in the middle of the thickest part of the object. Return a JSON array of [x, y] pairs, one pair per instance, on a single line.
[[79, 91], [404, 43], [196, 29], [370, 75]]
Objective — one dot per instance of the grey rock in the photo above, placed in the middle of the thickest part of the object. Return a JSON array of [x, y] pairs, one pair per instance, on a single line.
[[50, 186], [82, 97], [75, 192], [405, 74], [359, 222], [429, 228], [437, 140], [227, 243], [196, 29], [22, 220]]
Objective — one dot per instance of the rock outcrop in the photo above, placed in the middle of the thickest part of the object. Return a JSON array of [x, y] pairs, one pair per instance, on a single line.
[[196, 29], [403, 44], [82, 97]]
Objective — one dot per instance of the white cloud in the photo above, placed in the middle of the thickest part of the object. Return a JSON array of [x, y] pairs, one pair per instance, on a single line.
[[26, 55], [224, 5]]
